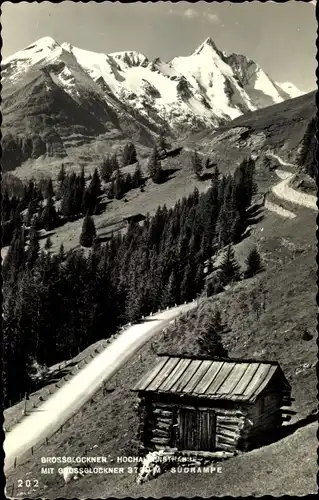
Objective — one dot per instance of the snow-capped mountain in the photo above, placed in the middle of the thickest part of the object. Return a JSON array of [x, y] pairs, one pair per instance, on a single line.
[[126, 93]]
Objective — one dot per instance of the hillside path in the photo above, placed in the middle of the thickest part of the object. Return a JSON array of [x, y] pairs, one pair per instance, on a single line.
[[59, 408]]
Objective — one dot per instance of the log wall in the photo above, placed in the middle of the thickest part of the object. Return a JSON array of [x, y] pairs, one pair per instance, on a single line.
[[238, 426], [158, 426], [263, 418]]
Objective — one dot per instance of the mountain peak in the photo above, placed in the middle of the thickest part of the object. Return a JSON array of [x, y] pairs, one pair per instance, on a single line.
[[67, 46], [46, 42], [209, 42], [36, 51]]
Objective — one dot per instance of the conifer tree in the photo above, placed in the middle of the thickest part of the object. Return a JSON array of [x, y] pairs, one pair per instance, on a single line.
[[151, 165], [96, 209], [158, 176], [118, 185], [115, 163], [163, 144], [199, 280], [48, 244], [220, 326], [61, 254], [245, 185], [49, 191], [197, 165], [155, 168], [111, 190], [230, 269], [237, 228], [88, 231], [253, 263], [128, 184], [129, 154], [14, 261], [34, 247], [61, 175], [223, 227], [137, 178], [95, 185], [86, 203], [106, 169], [215, 176], [170, 291], [67, 202], [209, 340], [49, 217]]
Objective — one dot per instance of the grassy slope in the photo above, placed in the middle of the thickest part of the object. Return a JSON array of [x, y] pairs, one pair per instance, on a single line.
[[278, 128], [107, 426], [181, 183], [287, 467]]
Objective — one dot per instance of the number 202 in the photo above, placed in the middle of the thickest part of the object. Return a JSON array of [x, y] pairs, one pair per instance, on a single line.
[[28, 483]]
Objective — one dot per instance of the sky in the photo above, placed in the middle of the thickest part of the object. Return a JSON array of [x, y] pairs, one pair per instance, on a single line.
[[280, 37]]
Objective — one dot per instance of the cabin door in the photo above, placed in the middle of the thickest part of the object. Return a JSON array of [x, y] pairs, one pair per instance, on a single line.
[[196, 429]]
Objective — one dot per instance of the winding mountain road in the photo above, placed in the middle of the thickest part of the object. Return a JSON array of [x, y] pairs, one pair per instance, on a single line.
[[283, 191], [59, 408]]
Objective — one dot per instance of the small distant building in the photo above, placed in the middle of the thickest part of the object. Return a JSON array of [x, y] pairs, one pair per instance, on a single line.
[[134, 218], [210, 405]]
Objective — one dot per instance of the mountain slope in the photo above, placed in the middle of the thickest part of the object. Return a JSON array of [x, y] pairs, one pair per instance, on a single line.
[[207, 85], [51, 90], [48, 99], [279, 128]]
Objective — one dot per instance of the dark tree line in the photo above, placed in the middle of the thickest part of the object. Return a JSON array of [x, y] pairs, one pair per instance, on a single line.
[[38, 202], [308, 149], [121, 184], [109, 165], [30, 202], [152, 266], [77, 199], [17, 149]]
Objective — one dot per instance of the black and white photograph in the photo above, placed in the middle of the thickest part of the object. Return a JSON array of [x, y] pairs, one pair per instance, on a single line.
[[159, 275]]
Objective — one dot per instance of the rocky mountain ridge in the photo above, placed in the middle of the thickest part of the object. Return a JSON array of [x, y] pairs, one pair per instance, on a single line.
[[57, 96]]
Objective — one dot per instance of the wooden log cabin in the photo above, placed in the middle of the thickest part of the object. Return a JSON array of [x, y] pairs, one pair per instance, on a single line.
[[210, 405]]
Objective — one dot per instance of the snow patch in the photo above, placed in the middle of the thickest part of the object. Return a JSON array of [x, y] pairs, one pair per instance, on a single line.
[[290, 89], [265, 85]]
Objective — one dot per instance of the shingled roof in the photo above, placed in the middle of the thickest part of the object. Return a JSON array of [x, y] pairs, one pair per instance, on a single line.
[[234, 380]]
